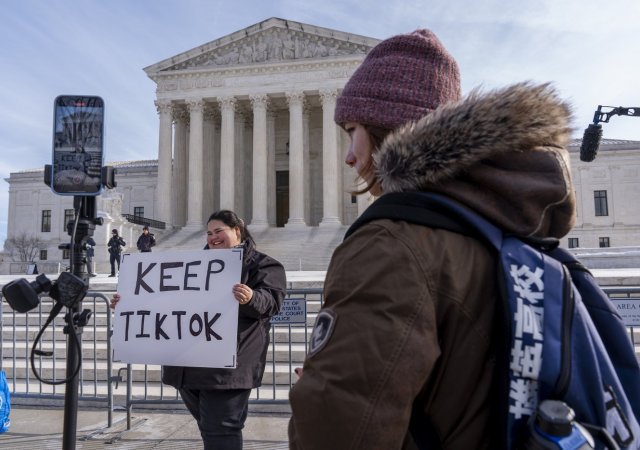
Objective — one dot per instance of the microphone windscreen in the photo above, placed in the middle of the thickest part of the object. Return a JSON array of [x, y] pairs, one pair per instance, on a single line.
[[590, 142]]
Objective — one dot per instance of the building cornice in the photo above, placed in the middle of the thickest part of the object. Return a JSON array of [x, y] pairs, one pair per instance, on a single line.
[[339, 69], [266, 41]]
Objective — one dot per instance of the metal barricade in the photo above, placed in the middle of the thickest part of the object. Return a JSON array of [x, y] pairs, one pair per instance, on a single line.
[[18, 331], [287, 349], [100, 377]]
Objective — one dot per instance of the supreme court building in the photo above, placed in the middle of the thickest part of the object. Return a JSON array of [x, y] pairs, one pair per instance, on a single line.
[[246, 123]]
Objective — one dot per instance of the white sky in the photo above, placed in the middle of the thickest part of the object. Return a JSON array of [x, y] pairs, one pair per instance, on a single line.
[[590, 50]]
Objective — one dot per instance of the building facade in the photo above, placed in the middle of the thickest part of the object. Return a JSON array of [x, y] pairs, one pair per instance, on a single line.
[[607, 229], [246, 123]]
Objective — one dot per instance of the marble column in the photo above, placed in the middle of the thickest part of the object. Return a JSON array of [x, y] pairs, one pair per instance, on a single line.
[[164, 187], [296, 160], [260, 186], [194, 185], [239, 167], [330, 161], [180, 166], [306, 178], [227, 144], [209, 161], [271, 167]]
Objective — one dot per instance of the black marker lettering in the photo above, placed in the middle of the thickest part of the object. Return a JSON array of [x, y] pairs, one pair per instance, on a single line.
[[159, 330], [208, 330], [179, 315], [165, 266], [126, 314], [142, 313], [139, 281], [198, 319], [188, 275], [210, 270]]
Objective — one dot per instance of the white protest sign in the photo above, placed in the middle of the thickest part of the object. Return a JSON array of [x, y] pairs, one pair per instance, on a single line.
[[177, 308]]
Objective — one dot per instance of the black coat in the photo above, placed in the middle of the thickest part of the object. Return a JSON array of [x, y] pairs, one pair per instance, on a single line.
[[267, 278], [145, 242], [115, 244]]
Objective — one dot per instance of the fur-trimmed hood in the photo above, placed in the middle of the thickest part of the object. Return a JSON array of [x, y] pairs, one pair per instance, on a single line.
[[501, 153]]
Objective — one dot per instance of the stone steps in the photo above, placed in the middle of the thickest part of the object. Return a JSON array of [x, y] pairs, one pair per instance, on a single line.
[[308, 248]]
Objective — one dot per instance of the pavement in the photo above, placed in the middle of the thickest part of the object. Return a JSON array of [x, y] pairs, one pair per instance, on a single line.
[[39, 428]]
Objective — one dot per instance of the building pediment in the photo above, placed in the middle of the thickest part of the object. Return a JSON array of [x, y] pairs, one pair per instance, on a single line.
[[271, 41]]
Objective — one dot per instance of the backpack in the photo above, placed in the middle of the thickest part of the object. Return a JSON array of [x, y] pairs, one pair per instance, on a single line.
[[564, 340], [5, 403]]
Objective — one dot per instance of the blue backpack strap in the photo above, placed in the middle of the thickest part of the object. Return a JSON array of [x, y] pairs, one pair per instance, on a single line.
[[432, 210]]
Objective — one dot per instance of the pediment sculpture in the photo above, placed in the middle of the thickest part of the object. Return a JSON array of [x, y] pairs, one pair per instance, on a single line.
[[271, 46]]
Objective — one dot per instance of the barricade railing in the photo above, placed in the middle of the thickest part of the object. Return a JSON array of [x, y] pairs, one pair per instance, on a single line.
[[18, 332], [22, 267], [287, 349]]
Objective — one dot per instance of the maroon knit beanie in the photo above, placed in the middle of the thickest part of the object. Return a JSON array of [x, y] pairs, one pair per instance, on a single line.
[[402, 79]]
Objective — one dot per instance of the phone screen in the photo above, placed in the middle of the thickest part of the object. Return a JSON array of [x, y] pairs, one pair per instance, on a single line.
[[78, 128]]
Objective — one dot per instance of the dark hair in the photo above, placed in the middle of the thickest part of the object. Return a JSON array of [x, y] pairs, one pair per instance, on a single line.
[[231, 219], [377, 136]]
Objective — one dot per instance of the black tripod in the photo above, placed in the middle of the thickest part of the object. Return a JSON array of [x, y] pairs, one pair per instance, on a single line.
[[68, 290], [80, 229]]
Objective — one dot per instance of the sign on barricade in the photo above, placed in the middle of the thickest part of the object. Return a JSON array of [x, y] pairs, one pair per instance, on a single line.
[[294, 310], [177, 308], [629, 310]]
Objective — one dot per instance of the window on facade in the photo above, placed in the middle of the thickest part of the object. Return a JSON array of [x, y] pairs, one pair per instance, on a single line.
[[573, 243], [68, 216], [138, 211], [600, 198], [46, 221], [65, 253], [43, 255], [604, 242], [354, 199]]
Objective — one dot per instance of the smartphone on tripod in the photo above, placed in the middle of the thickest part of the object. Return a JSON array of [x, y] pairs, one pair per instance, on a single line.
[[78, 145]]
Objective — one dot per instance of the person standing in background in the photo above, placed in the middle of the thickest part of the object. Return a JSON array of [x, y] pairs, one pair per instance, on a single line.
[[90, 245], [115, 246], [146, 240]]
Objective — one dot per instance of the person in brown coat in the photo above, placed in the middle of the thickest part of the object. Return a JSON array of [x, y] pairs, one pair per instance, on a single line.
[[404, 352]]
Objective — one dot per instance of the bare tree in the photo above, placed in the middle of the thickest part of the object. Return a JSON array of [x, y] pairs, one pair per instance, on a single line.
[[23, 247]]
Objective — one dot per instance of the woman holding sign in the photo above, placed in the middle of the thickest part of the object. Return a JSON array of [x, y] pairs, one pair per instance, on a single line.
[[219, 398]]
